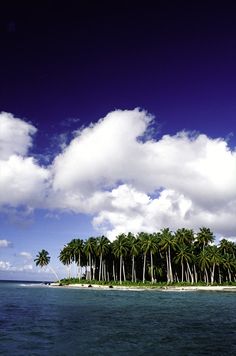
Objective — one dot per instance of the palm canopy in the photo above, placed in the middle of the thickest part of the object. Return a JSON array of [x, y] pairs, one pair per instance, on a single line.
[[42, 258]]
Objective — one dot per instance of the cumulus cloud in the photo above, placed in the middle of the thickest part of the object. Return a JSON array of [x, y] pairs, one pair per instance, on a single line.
[[5, 243], [15, 136], [127, 179], [22, 180], [131, 181]]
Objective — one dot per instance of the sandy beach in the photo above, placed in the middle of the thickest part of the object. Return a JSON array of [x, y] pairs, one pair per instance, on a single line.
[[164, 289]]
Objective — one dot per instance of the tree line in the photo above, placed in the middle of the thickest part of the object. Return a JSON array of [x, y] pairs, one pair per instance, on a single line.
[[165, 256]]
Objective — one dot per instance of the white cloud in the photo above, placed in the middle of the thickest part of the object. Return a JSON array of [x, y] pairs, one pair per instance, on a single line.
[[5, 265], [5, 243], [127, 179], [15, 136], [27, 255], [9, 267], [108, 171], [22, 182]]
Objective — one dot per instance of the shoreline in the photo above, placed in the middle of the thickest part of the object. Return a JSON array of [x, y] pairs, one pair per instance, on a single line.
[[162, 289]]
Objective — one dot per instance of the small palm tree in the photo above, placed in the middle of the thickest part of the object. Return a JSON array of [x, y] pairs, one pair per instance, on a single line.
[[42, 259]]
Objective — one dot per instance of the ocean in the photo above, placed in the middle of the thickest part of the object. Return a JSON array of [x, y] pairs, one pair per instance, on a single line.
[[41, 320]]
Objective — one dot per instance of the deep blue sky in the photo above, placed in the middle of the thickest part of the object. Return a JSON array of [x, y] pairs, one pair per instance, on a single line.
[[82, 59], [66, 64]]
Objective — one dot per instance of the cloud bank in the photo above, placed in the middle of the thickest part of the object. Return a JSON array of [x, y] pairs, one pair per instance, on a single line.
[[117, 171]]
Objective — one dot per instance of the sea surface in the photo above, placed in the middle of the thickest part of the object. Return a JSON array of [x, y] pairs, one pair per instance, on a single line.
[[41, 320]]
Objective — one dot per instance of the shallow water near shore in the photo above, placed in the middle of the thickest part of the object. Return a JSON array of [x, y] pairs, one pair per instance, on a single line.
[[41, 320]]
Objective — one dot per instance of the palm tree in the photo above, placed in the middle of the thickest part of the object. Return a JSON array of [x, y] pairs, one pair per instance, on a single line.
[[134, 245], [120, 249], [204, 261], [204, 237], [65, 258], [42, 259], [167, 243], [184, 255], [214, 259], [184, 236], [143, 238], [102, 249], [89, 249], [229, 264], [78, 247]]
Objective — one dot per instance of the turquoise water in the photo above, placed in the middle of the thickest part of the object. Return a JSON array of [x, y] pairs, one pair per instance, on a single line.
[[39, 320]]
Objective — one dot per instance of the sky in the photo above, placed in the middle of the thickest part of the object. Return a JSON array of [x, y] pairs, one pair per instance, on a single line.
[[114, 117]]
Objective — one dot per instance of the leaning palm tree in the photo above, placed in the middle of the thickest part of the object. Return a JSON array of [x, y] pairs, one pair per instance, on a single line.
[[42, 259]]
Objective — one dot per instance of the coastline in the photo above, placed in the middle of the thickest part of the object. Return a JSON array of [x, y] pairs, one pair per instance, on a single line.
[[162, 289]]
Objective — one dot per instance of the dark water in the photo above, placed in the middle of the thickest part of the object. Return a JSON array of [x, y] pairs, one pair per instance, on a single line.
[[38, 320]]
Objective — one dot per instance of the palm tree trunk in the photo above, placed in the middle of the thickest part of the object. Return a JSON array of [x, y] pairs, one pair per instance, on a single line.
[[124, 271], [90, 266], [170, 267], [206, 274], [167, 268], [182, 265], [220, 276], [120, 269], [79, 272], [100, 267], [213, 274], [151, 266], [113, 270], [54, 272], [133, 268], [144, 267], [195, 272], [190, 272]]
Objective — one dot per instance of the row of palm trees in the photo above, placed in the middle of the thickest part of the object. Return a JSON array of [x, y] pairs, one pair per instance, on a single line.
[[182, 256]]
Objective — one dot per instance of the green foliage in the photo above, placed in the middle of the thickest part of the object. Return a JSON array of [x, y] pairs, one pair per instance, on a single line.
[[158, 259]]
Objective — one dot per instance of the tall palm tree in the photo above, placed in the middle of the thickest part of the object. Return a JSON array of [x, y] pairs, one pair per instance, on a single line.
[[120, 249], [143, 239], [214, 259], [134, 245], [78, 247], [167, 243], [184, 256], [102, 248], [42, 259], [204, 261], [89, 249]]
